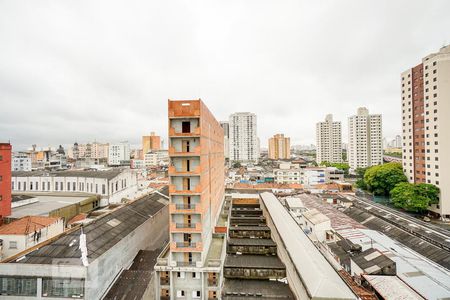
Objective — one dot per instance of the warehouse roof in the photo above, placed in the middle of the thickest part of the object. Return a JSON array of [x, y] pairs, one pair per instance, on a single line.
[[372, 261], [253, 261], [391, 287], [319, 279], [101, 234]]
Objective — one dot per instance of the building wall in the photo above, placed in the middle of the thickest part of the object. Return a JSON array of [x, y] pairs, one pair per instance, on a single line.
[[425, 111], [244, 145], [5, 180], [329, 141], [21, 162], [24, 242], [365, 140], [117, 153], [279, 147], [123, 185], [151, 142]]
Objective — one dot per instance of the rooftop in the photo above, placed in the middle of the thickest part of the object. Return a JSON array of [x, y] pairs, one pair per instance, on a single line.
[[391, 287], [101, 234], [253, 261], [27, 225], [251, 242], [256, 289], [315, 217], [294, 202], [372, 260], [319, 278], [45, 205]]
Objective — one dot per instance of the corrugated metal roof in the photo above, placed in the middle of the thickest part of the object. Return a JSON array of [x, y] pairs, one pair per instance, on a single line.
[[392, 288], [319, 278], [100, 234]]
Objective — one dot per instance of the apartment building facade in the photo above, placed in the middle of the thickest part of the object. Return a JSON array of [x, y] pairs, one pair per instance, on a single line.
[[365, 146], [329, 141], [196, 192], [279, 147], [118, 153], [425, 123], [5, 180], [244, 146], [151, 142]]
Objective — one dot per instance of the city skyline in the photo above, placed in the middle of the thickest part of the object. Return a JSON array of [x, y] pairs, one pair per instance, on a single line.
[[64, 73]]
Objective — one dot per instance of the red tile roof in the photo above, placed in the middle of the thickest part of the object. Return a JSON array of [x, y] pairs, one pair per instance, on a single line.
[[27, 225], [79, 217]]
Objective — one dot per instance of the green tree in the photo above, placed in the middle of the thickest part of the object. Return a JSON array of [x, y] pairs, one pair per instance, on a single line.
[[414, 197], [236, 165], [382, 179]]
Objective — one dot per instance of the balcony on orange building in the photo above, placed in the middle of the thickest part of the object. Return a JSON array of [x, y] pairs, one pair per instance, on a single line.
[[183, 172], [195, 132], [197, 190], [186, 246], [175, 152], [185, 208], [185, 227]]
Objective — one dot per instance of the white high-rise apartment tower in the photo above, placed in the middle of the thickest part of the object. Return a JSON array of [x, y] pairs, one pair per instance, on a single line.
[[365, 146], [226, 138], [426, 123], [329, 141], [243, 138]]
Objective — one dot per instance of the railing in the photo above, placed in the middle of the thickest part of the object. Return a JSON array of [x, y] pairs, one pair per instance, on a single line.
[[186, 263], [197, 190], [186, 246], [185, 206], [194, 132], [174, 171], [194, 151], [186, 227]]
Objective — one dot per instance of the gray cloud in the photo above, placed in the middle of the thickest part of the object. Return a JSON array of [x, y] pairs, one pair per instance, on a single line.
[[85, 70]]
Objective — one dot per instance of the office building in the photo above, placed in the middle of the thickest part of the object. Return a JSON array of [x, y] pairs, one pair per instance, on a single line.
[[364, 140], [118, 154], [244, 145], [279, 147], [21, 162], [226, 138], [329, 141], [196, 190], [5, 180], [425, 120], [151, 142]]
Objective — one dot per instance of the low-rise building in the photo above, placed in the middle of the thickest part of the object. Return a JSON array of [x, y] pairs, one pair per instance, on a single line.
[[288, 173], [112, 185], [26, 232], [372, 262], [83, 262], [314, 176], [316, 225], [295, 205]]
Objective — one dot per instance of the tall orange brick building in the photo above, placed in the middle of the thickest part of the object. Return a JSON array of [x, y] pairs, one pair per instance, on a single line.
[[196, 194], [5, 180]]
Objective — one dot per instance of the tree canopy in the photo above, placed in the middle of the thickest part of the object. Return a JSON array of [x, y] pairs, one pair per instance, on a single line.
[[414, 197], [382, 179]]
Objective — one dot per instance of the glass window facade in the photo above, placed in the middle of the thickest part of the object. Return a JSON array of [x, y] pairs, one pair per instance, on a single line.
[[18, 286]]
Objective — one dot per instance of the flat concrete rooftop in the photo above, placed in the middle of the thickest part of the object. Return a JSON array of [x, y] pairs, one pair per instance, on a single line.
[[256, 289], [45, 205], [253, 262]]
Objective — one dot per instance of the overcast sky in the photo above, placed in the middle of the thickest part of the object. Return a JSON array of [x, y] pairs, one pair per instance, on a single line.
[[103, 70]]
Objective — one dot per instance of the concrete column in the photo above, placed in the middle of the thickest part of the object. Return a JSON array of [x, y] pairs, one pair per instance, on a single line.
[[39, 288]]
